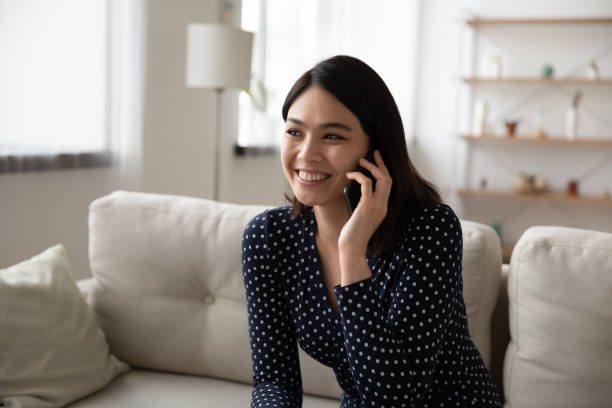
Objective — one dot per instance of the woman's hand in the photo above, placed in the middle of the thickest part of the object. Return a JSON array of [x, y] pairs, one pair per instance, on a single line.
[[371, 210]]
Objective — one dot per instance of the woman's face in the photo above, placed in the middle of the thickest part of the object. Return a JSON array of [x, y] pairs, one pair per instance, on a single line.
[[323, 140]]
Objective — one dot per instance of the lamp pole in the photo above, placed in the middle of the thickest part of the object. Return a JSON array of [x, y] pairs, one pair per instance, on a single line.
[[218, 92], [218, 57]]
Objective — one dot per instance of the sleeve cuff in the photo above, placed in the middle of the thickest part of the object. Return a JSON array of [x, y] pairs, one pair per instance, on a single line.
[[355, 295]]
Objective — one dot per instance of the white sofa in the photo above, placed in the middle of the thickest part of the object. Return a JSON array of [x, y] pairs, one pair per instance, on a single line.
[[168, 294]]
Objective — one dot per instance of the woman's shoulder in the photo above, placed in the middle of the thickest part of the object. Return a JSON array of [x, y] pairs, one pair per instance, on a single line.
[[439, 213], [277, 213], [270, 216], [433, 224]]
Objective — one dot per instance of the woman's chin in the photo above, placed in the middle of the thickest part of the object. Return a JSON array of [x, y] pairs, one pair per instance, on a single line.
[[308, 201], [311, 201]]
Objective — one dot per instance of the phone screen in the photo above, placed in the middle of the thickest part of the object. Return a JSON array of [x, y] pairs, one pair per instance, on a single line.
[[352, 192]]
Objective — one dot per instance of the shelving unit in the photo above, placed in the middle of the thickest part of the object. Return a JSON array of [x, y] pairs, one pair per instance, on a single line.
[[512, 83]]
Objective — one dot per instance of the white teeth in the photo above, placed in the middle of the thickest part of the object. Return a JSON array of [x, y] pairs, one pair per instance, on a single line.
[[312, 176]]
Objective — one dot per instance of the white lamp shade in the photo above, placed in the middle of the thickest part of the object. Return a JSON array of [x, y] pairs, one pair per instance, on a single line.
[[218, 56]]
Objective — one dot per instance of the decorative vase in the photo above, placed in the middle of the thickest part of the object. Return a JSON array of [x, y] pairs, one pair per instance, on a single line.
[[479, 124], [571, 123], [511, 128], [572, 188], [547, 71], [593, 71]]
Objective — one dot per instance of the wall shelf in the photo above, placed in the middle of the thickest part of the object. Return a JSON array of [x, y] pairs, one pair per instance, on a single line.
[[537, 80], [546, 20], [528, 139], [586, 199]]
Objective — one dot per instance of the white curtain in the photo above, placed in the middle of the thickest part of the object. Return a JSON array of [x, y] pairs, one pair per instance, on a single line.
[[71, 76], [293, 35], [126, 74]]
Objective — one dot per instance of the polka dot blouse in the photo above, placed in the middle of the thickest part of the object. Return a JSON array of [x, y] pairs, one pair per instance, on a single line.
[[401, 339]]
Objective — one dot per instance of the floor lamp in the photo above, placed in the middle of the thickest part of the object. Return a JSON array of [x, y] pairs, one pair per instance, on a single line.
[[218, 57]]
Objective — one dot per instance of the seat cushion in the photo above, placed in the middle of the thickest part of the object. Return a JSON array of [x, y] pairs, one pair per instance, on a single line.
[[560, 312], [156, 389]]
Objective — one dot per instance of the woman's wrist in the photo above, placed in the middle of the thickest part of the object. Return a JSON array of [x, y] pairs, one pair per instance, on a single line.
[[353, 268]]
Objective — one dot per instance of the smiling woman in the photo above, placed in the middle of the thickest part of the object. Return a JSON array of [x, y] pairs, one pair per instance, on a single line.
[[376, 293]]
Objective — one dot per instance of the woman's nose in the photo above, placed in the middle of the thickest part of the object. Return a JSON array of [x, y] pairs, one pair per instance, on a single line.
[[310, 150]]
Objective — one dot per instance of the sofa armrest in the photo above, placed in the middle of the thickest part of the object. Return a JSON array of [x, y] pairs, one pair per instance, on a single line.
[[86, 287]]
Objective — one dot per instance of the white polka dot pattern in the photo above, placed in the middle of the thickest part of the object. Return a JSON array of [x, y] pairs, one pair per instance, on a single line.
[[402, 337]]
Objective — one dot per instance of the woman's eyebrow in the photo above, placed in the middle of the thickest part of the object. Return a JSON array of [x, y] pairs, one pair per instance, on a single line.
[[323, 126]]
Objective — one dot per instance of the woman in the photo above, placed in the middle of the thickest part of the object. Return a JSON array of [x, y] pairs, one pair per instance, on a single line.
[[375, 294]]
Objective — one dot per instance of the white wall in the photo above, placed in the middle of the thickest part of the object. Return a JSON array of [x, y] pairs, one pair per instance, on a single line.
[[39, 210], [178, 122]]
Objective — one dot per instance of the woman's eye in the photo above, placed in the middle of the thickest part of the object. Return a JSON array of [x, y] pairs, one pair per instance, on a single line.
[[293, 132], [335, 137]]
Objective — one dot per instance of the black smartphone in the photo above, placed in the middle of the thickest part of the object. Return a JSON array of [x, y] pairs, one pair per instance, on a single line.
[[352, 192]]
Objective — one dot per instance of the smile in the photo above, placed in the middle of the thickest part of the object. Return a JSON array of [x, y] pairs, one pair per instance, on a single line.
[[311, 176]]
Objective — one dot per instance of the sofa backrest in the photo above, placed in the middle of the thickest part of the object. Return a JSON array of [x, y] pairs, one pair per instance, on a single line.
[[560, 316], [169, 295]]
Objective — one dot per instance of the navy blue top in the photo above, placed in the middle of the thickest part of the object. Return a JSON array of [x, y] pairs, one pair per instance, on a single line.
[[402, 338]]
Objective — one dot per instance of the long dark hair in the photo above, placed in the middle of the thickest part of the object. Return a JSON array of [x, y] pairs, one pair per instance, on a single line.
[[365, 94]]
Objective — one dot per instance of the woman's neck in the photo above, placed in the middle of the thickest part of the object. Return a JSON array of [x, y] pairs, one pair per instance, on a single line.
[[330, 221]]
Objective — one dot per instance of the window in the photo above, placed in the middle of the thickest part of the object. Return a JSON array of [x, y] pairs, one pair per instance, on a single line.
[[53, 77], [292, 35]]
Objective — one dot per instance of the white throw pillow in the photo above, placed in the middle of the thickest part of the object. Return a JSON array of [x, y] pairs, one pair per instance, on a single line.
[[51, 350]]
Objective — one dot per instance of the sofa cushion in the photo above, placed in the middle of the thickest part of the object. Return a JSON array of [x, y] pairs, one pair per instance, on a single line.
[[156, 389], [482, 262], [560, 311], [51, 350]]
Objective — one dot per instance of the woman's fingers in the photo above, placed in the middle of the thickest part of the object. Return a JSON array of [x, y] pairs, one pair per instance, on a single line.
[[378, 170], [379, 161], [363, 180]]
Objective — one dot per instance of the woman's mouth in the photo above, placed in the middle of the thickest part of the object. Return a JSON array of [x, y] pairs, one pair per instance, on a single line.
[[311, 177]]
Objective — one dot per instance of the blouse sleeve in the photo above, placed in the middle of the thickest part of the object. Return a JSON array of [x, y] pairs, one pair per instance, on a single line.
[[276, 369], [393, 356]]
